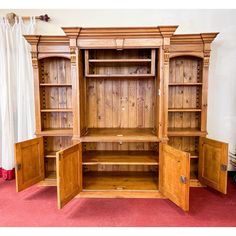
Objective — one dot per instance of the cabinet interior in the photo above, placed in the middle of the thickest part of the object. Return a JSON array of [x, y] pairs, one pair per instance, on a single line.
[[119, 102]]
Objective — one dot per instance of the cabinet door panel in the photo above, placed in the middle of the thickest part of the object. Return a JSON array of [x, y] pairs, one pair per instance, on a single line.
[[29, 159], [69, 174], [175, 175], [213, 159]]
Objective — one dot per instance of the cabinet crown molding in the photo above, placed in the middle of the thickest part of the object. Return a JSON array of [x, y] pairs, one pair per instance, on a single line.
[[114, 32]]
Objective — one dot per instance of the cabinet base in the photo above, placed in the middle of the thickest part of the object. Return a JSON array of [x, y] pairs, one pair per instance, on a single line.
[[120, 194]]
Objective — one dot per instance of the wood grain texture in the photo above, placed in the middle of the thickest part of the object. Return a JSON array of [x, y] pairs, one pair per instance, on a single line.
[[117, 135], [120, 103], [120, 194], [29, 159], [142, 85], [120, 158], [213, 154], [175, 164], [69, 174], [116, 181]]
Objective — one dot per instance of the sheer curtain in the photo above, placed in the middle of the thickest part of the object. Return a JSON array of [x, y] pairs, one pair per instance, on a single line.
[[16, 91]]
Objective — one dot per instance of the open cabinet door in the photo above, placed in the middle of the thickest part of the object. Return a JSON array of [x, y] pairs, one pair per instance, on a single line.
[[29, 159], [69, 174], [213, 159], [175, 175]]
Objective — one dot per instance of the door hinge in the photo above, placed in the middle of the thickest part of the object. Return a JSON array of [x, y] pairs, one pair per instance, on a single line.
[[18, 167], [183, 179], [223, 167], [159, 92]]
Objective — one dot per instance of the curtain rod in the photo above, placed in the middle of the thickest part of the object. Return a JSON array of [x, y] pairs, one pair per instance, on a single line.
[[11, 17]]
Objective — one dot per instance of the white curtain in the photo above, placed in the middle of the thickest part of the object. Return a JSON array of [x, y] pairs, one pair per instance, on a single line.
[[16, 90]]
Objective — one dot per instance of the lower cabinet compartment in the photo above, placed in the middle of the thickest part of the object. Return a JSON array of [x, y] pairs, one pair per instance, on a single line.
[[120, 180]]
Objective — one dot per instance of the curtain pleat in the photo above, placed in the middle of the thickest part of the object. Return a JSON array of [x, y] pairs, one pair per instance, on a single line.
[[16, 91]]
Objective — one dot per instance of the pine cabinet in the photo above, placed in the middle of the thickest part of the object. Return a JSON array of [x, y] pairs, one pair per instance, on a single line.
[[121, 112]]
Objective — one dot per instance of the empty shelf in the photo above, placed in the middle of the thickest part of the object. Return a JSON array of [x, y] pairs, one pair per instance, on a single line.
[[185, 132], [120, 60], [55, 85], [119, 135], [117, 181], [120, 158], [51, 154], [56, 110], [184, 84], [184, 109], [56, 132]]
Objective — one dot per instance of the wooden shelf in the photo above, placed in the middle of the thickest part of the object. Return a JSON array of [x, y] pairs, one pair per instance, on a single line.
[[120, 181], [120, 158], [51, 154], [119, 135], [194, 182], [184, 110], [194, 155], [185, 84], [57, 110], [141, 76], [55, 85], [56, 132], [120, 60], [50, 179], [185, 132]]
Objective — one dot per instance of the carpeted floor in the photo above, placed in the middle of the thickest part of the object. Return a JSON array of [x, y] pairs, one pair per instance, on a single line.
[[37, 206]]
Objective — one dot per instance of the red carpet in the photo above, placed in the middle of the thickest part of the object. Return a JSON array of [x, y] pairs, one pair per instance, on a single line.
[[37, 207]]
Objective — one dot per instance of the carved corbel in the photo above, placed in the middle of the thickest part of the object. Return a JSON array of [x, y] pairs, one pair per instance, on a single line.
[[73, 55], [34, 57], [206, 59], [166, 55]]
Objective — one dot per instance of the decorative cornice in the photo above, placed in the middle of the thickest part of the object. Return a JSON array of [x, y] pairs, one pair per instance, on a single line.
[[72, 32], [47, 39], [167, 31], [193, 38], [120, 32], [208, 37]]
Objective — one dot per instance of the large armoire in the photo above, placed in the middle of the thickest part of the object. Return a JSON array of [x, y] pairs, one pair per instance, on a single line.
[[121, 113]]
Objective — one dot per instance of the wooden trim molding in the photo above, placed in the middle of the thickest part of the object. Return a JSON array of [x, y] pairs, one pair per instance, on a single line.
[[126, 32]]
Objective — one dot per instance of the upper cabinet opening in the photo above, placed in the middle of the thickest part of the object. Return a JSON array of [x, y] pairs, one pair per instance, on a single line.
[[120, 63]]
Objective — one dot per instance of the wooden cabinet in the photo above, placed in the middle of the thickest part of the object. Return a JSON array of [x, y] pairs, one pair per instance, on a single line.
[[121, 112]]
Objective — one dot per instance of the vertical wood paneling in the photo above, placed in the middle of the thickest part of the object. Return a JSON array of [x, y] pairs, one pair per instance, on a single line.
[[116, 103], [120, 103], [132, 86]]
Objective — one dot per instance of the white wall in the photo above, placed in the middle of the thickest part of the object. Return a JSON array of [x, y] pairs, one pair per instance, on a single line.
[[222, 76]]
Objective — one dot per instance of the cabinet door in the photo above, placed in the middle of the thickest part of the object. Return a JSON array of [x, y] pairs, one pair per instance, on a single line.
[[29, 159], [69, 174], [213, 159], [175, 175]]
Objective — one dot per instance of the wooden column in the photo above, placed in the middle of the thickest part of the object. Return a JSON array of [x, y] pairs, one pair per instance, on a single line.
[[34, 41], [74, 56], [166, 54], [207, 39], [166, 32]]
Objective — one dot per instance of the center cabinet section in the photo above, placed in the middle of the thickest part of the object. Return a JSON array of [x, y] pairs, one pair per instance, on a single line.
[[120, 142]]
